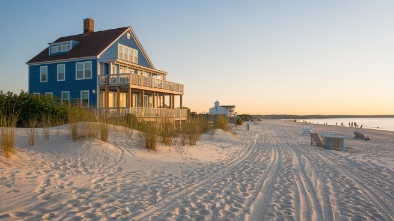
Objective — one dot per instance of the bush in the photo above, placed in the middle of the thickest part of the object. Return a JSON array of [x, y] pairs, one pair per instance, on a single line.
[[239, 121], [33, 107], [221, 122]]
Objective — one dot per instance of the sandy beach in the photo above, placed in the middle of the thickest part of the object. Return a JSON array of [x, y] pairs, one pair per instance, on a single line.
[[270, 172]]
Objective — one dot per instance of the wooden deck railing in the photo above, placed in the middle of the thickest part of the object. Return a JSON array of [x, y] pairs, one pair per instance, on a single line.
[[179, 114], [139, 80]]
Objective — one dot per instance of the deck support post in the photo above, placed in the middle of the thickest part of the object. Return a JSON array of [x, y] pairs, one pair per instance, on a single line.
[[106, 95], [164, 100], [118, 100], [131, 97], [154, 99], [142, 98], [180, 102]]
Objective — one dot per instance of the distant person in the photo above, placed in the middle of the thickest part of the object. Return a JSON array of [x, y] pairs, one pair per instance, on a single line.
[[336, 123], [349, 124]]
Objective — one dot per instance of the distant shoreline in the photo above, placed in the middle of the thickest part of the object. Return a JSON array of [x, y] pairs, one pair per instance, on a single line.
[[285, 116]]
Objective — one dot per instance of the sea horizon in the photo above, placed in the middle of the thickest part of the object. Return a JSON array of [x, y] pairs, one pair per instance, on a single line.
[[376, 123]]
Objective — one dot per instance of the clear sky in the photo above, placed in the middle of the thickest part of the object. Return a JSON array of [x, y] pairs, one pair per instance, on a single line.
[[265, 57]]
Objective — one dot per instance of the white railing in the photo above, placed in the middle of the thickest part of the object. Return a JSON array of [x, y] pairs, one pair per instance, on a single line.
[[147, 112], [139, 80]]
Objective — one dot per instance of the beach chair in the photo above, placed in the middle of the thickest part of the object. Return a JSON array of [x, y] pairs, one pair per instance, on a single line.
[[359, 135], [316, 138]]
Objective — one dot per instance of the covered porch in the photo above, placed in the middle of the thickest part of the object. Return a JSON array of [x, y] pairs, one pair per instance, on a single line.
[[138, 90], [123, 100]]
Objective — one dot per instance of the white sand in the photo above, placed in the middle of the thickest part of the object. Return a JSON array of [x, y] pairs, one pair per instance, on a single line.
[[268, 173]]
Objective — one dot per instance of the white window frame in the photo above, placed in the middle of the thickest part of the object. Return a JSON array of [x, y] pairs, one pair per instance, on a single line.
[[130, 55], [49, 93], [81, 100], [36, 93], [61, 47], [62, 97], [46, 73], [84, 70], [120, 51], [135, 56], [64, 73], [127, 54]]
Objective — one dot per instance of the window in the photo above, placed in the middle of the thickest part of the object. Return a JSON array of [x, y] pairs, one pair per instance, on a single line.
[[61, 72], [50, 94], [135, 56], [127, 53], [84, 70], [65, 96], [35, 93], [84, 98], [130, 58], [120, 51], [61, 47], [44, 74]]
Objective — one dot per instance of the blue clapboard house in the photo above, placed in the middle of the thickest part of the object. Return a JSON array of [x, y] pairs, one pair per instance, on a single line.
[[108, 70]]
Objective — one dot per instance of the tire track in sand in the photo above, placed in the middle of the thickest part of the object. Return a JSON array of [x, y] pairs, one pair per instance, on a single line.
[[372, 194], [309, 206], [171, 199], [264, 189]]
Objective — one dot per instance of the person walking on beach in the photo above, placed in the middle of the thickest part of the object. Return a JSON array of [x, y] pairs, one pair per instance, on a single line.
[[349, 124]]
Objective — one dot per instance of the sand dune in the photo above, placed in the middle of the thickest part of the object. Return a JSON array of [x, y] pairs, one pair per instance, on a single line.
[[267, 173]]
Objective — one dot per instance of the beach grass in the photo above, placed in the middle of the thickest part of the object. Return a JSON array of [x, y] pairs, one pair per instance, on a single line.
[[7, 133]]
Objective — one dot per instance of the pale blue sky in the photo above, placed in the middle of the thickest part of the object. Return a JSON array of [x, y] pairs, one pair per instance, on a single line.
[[265, 57]]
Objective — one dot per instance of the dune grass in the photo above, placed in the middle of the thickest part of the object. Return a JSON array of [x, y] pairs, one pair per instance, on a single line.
[[89, 123], [31, 131], [7, 133]]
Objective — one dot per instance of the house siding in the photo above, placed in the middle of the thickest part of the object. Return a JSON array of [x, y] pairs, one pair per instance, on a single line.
[[112, 52], [70, 83]]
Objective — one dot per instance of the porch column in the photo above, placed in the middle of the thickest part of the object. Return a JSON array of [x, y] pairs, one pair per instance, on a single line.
[[142, 98], [106, 97], [180, 101], [173, 101], [118, 99], [131, 97], [128, 104], [164, 100], [154, 99]]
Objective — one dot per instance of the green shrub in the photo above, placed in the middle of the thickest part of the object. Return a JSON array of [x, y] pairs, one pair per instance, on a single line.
[[239, 121], [221, 122]]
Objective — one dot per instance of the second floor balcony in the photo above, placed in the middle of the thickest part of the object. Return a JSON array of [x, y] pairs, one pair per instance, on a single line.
[[140, 82]]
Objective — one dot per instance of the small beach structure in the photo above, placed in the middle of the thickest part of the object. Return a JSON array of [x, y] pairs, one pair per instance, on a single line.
[[108, 70], [228, 110]]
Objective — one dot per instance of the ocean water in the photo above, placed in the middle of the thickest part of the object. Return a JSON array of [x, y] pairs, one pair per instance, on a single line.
[[370, 123]]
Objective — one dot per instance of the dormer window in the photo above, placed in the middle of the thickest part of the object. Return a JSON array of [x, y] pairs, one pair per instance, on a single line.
[[61, 47]]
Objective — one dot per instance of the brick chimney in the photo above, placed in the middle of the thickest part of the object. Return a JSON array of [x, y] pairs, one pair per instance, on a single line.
[[88, 26]]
